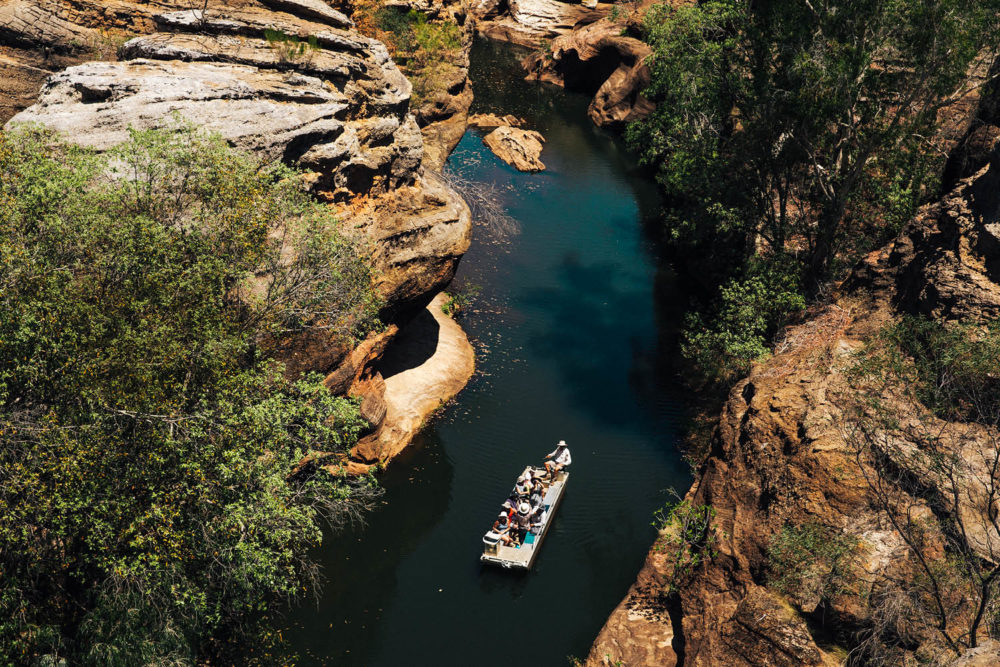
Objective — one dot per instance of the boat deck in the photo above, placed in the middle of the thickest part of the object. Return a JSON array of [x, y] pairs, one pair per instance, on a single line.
[[523, 557]]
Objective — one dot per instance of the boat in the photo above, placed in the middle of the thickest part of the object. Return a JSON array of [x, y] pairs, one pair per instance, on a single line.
[[523, 557]]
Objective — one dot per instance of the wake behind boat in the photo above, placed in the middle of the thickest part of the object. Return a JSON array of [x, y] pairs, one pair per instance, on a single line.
[[517, 534]]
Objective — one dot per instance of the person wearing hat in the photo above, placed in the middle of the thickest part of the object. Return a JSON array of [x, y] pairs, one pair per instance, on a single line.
[[502, 528], [558, 459], [523, 519], [523, 487]]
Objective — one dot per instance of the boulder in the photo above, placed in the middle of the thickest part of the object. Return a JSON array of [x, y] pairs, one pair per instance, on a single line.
[[517, 147], [490, 121]]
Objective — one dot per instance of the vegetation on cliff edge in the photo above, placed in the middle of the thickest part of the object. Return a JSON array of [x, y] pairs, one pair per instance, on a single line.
[[792, 137], [154, 499], [934, 476]]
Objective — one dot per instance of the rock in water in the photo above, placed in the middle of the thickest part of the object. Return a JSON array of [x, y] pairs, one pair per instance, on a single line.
[[519, 148], [490, 121]]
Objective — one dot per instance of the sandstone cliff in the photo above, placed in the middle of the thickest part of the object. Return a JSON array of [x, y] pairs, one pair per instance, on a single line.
[[587, 47], [784, 455], [289, 79]]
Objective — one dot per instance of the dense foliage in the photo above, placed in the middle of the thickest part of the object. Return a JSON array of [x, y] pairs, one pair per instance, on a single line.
[[790, 137], [425, 49], [153, 498]]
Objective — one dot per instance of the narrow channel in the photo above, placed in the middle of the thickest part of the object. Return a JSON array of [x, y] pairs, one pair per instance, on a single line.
[[568, 347]]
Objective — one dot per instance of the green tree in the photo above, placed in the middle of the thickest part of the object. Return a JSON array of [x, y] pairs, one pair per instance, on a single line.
[[801, 132], [159, 476]]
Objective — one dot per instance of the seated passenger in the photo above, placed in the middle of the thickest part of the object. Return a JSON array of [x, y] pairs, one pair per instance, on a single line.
[[512, 501], [536, 519], [502, 528], [523, 487], [558, 459]]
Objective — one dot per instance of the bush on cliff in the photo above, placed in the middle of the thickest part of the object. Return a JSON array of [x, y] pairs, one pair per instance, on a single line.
[[926, 433], [155, 491], [800, 133], [425, 49]]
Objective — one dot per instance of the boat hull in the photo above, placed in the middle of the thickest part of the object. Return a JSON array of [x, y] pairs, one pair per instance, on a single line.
[[523, 557]]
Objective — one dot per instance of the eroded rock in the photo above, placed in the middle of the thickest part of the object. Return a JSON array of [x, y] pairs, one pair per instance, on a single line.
[[426, 365], [599, 60], [531, 22], [318, 96], [517, 147], [490, 121]]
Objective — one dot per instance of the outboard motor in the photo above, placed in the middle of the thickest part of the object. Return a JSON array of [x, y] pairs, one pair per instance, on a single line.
[[492, 541]]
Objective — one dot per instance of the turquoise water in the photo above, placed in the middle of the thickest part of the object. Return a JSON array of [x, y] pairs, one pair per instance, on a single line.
[[568, 328]]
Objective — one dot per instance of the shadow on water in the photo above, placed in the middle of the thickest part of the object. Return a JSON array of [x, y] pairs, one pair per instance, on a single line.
[[360, 565], [571, 327], [588, 339]]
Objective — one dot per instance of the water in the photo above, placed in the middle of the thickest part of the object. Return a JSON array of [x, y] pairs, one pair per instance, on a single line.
[[568, 340]]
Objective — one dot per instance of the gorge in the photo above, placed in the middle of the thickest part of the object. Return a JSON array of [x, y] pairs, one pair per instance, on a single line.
[[560, 309]]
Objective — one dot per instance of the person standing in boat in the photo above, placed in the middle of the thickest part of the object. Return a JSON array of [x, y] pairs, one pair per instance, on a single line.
[[558, 459]]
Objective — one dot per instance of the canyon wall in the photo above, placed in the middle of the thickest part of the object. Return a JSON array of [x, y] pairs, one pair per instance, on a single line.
[[291, 80], [785, 456]]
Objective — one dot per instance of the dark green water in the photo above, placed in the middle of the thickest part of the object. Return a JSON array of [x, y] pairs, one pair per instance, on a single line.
[[568, 343]]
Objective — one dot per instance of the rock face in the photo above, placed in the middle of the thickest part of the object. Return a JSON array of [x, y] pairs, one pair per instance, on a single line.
[[519, 148], [584, 50], [288, 79], [442, 91], [783, 456], [339, 111], [599, 60], [530, 22]]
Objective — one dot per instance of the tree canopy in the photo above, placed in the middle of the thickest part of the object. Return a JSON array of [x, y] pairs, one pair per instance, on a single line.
[[801, 132], [153, 496]]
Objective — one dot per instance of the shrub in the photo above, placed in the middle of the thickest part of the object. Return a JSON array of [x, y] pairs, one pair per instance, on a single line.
[[686, 536], [289, 47], [810, 562], [748, 313]]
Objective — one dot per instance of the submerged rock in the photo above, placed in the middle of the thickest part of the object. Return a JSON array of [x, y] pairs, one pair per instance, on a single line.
[[519, 148]]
